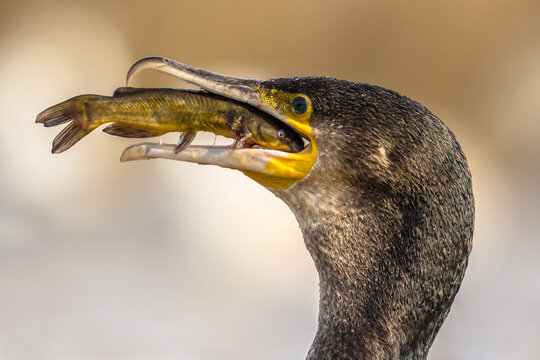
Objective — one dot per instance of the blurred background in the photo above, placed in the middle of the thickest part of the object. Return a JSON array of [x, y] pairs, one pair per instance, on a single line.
[[165, 260]]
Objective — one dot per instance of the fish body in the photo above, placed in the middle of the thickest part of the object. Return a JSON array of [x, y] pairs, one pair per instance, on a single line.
[[140, 113]]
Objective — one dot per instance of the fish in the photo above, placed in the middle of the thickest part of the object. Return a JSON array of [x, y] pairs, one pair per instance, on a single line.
[[150, 112]]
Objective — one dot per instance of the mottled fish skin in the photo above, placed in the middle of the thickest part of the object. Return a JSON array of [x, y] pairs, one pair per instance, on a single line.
[[139, 113]]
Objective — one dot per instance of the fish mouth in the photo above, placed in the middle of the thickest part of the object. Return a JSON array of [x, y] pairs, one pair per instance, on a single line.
[[272, 168]]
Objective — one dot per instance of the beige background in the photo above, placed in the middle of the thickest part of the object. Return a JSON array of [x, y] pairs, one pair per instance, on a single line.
[[165, 260]]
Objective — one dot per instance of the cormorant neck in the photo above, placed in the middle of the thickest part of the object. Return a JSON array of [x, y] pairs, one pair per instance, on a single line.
[[350, 248], [383, 291]]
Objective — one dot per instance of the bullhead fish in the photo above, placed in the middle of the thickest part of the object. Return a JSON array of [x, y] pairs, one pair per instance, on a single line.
[[141, 113]]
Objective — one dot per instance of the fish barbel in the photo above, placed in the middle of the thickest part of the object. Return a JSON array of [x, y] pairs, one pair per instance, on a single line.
[[140, 113]]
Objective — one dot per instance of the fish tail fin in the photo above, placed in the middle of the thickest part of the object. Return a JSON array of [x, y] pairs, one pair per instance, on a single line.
[[70, 110], [68, 137]]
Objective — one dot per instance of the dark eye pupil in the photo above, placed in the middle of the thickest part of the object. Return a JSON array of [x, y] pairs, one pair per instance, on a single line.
[[281, 133], [299, 105]]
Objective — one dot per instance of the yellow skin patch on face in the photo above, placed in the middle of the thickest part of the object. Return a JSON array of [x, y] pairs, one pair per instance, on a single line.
[[284, 171]]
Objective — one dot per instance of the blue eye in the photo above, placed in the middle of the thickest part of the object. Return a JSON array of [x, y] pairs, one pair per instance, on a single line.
[[299, 105]]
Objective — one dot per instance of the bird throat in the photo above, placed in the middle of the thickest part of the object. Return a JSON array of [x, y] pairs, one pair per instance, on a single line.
[[377, 299]]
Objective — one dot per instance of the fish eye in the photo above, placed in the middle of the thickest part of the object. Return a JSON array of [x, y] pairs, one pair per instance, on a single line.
[[299, 105], [281, 133]]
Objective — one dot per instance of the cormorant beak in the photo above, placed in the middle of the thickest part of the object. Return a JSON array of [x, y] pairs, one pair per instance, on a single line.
[[272, 168]]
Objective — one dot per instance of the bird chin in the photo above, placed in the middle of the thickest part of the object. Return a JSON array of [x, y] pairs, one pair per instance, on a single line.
[[272, 168]]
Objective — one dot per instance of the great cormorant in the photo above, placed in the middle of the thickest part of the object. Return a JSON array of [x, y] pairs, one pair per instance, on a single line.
[[383, 196]]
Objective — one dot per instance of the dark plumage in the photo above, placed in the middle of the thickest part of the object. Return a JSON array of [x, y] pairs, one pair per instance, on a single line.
[[387, 214]]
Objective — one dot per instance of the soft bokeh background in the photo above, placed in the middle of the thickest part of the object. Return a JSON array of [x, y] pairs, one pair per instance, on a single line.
[[166, 260]]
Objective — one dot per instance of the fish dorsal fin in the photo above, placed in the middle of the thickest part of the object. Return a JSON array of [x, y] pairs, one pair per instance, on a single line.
[[125, 90], [130, 131]]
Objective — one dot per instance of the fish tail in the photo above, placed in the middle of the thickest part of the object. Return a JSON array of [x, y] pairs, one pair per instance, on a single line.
[[68, 137], [70, 110]]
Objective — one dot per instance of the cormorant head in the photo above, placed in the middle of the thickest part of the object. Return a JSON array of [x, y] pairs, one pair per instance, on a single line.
[[366, 140], [382, 193]]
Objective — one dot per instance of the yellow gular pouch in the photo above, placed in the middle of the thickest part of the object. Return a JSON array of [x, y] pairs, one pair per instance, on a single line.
[[295, 110]]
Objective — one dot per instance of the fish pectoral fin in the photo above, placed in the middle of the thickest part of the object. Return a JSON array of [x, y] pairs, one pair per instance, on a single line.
[[185, 139], [130, 131]]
